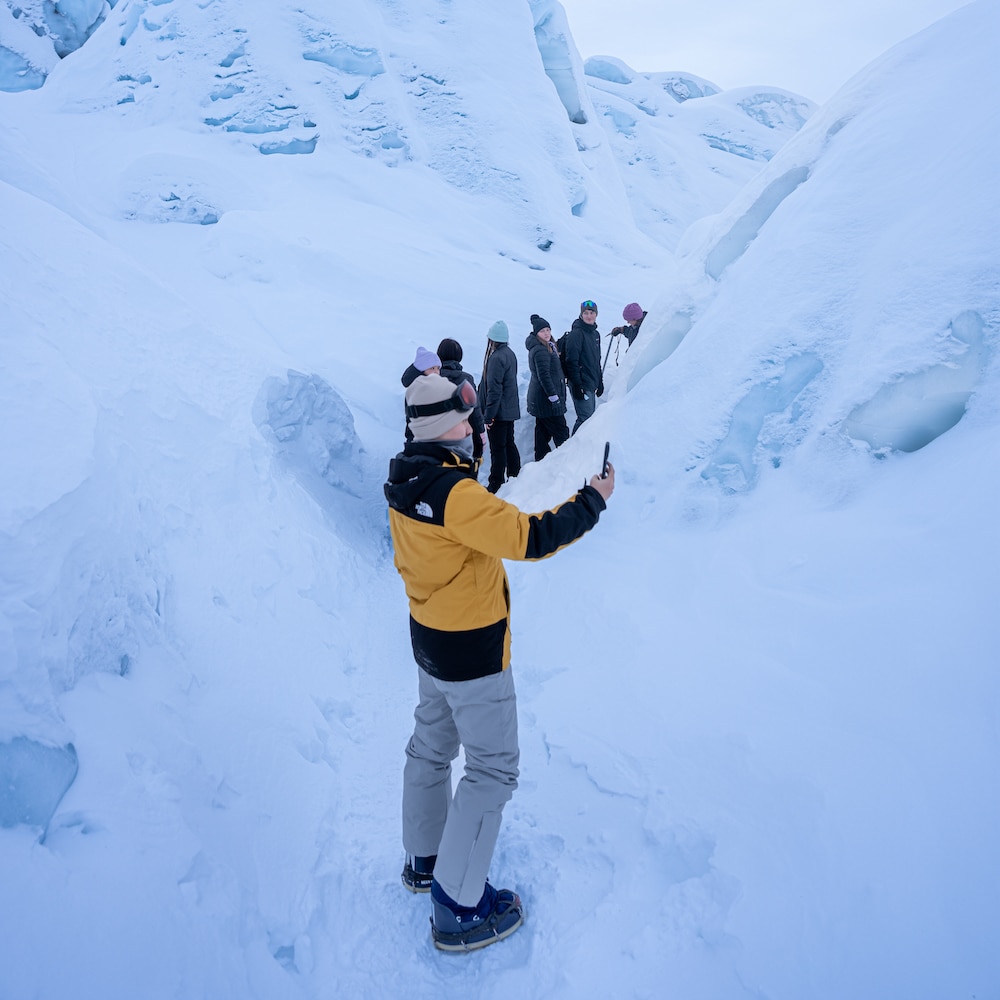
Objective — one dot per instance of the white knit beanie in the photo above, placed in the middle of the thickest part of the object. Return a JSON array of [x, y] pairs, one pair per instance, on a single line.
[[432, 389]]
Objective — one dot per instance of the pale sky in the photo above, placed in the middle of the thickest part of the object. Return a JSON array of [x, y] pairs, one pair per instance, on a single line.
[[799, 45]]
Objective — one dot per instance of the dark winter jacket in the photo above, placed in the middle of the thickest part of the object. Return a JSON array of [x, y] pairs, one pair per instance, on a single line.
[[498, 390], [454, 372], [583, 359], [450, 537], [410, 375], [630, 330], [546, 378]]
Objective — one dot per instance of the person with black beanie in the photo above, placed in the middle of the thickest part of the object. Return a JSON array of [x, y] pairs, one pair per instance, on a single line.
[[450, 353], [547, 388]]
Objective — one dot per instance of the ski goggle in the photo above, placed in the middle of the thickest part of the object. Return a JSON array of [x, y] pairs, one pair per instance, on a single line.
[[589, 304], [462, 399]]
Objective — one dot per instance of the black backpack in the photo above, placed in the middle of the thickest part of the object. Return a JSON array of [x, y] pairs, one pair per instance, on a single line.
[[561, 349]]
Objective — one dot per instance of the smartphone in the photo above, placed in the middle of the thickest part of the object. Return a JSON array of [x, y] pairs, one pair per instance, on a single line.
[[604, 464]]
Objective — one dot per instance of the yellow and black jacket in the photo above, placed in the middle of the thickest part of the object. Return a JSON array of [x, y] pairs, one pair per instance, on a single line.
[[451, 536]]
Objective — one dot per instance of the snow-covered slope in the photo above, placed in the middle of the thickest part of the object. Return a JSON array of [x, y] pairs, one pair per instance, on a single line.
[[758, 704], [685, 148], [400, 86]]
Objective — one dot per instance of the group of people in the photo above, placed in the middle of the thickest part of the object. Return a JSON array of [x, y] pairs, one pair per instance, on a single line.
[[578, 368], [450, 536]]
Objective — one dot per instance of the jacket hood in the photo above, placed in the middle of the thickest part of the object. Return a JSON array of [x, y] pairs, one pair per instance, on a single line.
[[409, 376], [416, 467]]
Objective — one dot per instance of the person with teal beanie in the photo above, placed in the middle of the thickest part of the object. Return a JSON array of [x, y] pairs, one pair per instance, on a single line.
[[501, 406]]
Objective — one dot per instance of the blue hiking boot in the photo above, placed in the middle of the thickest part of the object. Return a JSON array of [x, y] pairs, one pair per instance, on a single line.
[[418, 873], [465, 928]]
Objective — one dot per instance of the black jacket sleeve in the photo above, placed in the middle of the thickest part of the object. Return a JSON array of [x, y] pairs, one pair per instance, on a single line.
[[557, 528]]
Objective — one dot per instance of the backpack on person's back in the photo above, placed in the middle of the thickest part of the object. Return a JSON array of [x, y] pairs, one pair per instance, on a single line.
[[561, 349]]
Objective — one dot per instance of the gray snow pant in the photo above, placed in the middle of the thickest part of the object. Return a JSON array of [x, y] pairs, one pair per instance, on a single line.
[[461, 829], [584, 409]]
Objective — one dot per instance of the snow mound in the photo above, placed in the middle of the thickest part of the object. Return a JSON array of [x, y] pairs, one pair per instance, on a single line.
[[313, 434]]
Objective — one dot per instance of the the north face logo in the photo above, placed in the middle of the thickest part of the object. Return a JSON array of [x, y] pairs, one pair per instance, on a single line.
[[424, 509]]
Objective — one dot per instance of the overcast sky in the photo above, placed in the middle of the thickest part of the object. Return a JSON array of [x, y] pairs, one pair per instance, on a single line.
[[803, 46]]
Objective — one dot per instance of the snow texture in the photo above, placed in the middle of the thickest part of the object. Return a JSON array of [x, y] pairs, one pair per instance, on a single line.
[[758, 704]]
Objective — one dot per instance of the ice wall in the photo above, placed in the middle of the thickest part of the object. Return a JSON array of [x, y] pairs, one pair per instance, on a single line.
[[33, 779]]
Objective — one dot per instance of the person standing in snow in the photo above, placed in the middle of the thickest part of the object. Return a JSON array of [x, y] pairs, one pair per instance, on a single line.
[[424, 363], [501, 406], [633, 315], [547, 388], [583, 363], [450, 537], [450, 352]]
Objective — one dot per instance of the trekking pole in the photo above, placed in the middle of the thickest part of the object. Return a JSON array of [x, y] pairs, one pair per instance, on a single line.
[[607, 354]]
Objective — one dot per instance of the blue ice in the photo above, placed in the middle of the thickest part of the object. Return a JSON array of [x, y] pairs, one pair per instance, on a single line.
[[623, 122], [745, 229], [683, 88], [33, 779], [292, 147], [661, 346], [16, 73], [225, 92], [348, 59], [72, 22], [553, 47], [605, 68], [238, 53], [776, 110], [736, 148], [753, 432], [909, 413]]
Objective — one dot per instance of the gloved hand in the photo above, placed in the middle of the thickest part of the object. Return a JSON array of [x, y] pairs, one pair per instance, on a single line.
[[553, 399], [577, 392], [616, 331], [600, 391]]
